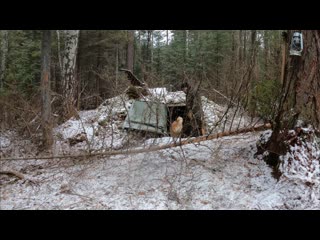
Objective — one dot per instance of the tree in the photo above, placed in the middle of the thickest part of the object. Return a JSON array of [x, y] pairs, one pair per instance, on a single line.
[[45, 89], [130, 50], [300, 94], [4, 53], [22, 62], [69, 71], [194, 122]]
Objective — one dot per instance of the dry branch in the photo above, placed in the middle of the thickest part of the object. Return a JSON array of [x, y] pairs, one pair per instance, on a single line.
[[18, 175], [14, 173]]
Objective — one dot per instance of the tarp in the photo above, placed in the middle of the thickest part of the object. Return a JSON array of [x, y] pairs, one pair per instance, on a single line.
[[147, 116]]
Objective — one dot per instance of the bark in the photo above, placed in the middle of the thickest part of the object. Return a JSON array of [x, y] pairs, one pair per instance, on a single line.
[[194, 122], [45, 90], [59, 49], [266, 50], [4, 53], [149, 51], [117, 65], [130, 50], [231, 74], [244, 46], [307, 87], [217, 52], [69, 71], [239, 49], [187, 43], [300, 94], [185, 46]]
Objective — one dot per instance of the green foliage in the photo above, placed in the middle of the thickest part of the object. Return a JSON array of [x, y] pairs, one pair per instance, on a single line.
[[24, 59], [191, 52], [212, 55], [264, 98]]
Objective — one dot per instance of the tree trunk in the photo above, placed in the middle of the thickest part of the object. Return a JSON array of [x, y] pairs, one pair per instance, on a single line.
[[284, 45], [117, 66], [253, 51], [307, 79], [217, 52], [231, 74], [45, 90], [185, 47], [4, 53], [300, 94], [251, 68], [149, 50], [68, 71], [194, 123], [130, 50], [187, 43], [244, 46], [240, 49]]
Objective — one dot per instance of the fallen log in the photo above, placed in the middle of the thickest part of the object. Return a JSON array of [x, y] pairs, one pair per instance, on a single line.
[[153, 148]]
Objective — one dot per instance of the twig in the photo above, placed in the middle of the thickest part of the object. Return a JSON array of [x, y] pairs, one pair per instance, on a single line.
[[224, 96]]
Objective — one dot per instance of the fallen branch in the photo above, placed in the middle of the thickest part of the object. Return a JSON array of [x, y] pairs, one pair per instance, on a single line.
[[18, 175], [14, 173], [152, 149]]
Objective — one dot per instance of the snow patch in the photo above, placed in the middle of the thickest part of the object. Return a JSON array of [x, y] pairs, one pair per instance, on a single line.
[[163, 96], [4, 142], [302, 162]]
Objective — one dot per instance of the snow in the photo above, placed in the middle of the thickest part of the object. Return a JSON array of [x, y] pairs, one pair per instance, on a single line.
[[302, 160], [218, 118], [160, 92], [216, 174], [302, 163], [103, 126], [14, 145], [163, 96], [299, 168], [4, 142]]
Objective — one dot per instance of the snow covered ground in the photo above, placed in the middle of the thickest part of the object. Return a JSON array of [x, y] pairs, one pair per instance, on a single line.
[[103, 126], [216, 174]]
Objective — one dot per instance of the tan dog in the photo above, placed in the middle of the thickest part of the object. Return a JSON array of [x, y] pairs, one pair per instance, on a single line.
[[176, 128]]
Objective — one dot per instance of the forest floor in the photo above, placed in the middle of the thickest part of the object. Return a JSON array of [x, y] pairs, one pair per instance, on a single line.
[[215, 174]]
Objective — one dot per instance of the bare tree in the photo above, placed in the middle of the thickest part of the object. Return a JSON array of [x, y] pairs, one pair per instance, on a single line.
[[194, 123], [68, 71], [4, 53], [130, 50], [45, 89]]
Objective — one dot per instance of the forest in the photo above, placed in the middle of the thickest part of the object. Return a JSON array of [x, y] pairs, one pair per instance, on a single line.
[[160, 119]]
